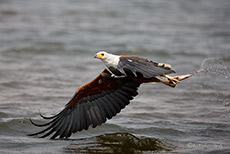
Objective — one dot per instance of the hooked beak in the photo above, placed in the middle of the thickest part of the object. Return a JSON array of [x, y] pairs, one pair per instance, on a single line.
[[95, 56]]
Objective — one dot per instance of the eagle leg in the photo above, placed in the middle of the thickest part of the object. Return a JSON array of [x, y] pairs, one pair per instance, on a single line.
[[172, 81]]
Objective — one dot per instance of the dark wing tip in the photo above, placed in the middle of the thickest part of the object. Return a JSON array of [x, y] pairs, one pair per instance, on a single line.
[[38, 125], [45, 117]]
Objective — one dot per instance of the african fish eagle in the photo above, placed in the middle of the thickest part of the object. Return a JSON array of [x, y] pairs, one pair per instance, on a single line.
[[105, 96]]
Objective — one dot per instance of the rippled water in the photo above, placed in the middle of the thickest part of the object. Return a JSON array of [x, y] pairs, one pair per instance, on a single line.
[[47, 49]]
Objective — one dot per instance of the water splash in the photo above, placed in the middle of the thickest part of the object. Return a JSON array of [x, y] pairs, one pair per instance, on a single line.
[[219, 73], [215, 66]]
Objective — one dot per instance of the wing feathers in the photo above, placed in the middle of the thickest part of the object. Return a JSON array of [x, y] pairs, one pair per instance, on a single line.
[[85, 118], [78, 118], [102, 110], [57, 126], [65, 125], [116, 99], [106, 96], [74, 124], [115, 105], [69, 126], [122, 97], [89, 113], [95, 117], [135, 65], [108, 109]]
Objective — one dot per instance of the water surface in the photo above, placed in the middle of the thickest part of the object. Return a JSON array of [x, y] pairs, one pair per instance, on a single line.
[[47, 49]]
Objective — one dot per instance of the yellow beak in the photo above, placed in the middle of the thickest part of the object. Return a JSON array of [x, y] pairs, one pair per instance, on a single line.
[[98, 55]]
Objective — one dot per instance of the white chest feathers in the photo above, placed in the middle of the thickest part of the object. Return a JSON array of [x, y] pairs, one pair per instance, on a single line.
[[111, 60]]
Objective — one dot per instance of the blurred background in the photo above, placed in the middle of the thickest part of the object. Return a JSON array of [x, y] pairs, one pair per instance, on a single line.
[[47, 49]]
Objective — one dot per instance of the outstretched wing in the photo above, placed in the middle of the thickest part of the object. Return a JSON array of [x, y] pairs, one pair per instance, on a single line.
[[92, 105], [147, 68]]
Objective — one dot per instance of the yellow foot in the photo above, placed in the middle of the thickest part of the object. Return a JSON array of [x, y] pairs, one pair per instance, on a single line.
[[174, 80]]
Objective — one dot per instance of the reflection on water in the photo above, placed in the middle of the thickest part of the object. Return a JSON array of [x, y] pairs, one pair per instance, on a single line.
[[118, 143]]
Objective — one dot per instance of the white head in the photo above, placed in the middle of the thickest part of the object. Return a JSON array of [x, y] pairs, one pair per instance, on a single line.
[[108, 59], [101, 55]]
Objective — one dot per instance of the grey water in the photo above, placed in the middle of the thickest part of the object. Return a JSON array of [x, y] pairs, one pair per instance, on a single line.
[[47, 49]]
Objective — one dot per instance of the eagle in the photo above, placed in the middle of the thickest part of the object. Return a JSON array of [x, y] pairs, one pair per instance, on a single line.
[[105, 96]]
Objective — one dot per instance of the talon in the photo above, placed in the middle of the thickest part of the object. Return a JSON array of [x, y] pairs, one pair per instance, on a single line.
[[174, 80]]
